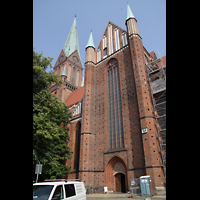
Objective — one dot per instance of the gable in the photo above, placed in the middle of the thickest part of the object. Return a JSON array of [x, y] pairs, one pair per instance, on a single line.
[[113, 39], [59, 59], [106, 32], [76, 61]]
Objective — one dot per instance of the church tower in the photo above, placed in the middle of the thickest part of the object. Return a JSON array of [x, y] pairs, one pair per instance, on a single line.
[[153, 163], [68, 66]]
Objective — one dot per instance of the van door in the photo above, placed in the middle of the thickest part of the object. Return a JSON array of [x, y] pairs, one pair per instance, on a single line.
[[80, 191], [58, 193]]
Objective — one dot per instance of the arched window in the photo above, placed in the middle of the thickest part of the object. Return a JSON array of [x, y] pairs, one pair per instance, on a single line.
[[116, 138], [77, 147], [69, 73], [73, 75], [77, 78]]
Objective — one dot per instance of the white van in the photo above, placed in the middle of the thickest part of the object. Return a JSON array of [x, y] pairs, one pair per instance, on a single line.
[[59, 190]]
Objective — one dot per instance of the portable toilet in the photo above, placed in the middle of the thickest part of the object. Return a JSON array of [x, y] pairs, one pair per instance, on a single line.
[[146, 186]]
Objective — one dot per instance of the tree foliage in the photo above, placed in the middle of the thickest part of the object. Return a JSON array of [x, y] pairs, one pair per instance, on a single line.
[[50, 117]]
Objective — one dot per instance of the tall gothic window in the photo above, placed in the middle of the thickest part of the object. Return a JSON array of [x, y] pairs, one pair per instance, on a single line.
[[77, 78], [116, 138], [69, 73], [73, 75]]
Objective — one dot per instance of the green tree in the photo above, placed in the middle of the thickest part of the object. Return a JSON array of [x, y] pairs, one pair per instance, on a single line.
[[50, 117]]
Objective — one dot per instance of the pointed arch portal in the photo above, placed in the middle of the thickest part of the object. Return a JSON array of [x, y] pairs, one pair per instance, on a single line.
[[116, 175]]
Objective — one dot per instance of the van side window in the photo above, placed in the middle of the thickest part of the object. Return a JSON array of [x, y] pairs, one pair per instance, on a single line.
[[58, 192], [70, 190]]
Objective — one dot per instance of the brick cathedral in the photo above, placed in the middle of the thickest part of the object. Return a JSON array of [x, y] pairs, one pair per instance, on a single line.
[[113, 132]]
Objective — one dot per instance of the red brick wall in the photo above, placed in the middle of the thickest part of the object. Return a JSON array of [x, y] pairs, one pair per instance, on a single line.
[[141, 153], [146, 111], [96, 154]]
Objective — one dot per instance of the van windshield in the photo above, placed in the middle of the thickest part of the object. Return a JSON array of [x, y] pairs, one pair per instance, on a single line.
[[41, 192]]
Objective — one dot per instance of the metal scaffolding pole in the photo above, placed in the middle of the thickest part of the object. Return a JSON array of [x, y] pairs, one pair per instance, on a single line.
[[158, 94]]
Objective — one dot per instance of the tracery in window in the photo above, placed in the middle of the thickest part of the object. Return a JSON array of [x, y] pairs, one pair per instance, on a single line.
[[116, 139]]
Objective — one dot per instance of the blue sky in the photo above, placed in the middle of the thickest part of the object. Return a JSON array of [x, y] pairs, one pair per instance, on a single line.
[[52, 20]]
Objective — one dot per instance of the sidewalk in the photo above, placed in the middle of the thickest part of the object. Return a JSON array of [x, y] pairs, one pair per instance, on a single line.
[[120, 195]]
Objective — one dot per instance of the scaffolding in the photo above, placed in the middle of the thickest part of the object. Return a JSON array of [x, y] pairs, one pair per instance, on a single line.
[[157, 80]]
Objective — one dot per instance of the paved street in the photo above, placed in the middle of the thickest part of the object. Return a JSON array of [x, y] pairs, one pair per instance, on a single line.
[[121, 196]]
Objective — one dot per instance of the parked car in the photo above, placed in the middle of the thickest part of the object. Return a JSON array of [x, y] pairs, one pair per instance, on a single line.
[[59, 190]]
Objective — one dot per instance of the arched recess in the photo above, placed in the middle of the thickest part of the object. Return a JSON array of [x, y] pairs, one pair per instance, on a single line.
[[116, 169], [77, 147]]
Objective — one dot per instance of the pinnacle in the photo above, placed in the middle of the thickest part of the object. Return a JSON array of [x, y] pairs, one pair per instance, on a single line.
[[129, 13], [90, 41]]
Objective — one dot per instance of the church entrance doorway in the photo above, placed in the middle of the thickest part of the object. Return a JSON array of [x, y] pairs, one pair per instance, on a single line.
[[120, 182], [116, 175]]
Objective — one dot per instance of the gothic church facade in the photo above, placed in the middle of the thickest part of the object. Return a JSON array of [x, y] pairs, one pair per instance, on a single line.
[[110, 108]]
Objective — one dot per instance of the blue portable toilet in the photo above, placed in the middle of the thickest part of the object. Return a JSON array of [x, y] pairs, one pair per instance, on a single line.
[[145, 186]]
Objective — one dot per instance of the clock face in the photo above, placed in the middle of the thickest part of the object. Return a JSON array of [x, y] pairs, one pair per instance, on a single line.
[[75, 59]]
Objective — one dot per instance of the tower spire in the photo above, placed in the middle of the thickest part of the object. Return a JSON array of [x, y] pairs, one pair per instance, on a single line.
[[71, 43]]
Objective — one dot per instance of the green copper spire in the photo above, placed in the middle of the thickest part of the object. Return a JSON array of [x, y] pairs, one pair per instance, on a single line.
[[71, 43], [90, 41], [64, 71], [129, 13]]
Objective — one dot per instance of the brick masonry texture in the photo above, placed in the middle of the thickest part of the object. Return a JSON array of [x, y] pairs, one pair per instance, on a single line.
[[92, 160]]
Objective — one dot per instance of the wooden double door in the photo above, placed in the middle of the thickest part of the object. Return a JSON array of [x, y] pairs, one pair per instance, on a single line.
[[120, 182]]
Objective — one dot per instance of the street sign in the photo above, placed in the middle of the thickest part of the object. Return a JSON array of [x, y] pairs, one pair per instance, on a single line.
[[38, 170], [144, 130]]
